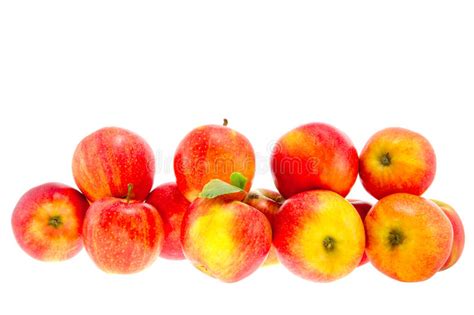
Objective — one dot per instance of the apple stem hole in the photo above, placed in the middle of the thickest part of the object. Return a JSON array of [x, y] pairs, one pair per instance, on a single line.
[[395, 238], [386, 159], [329, 243], [55, 221]]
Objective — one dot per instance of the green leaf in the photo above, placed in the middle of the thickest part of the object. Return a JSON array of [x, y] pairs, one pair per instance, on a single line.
[[238, 180], [216, 188]]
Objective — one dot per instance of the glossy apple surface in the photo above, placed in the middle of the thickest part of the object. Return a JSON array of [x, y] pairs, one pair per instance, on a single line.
[[171, 206], [409, 238], [227, 240], [110, 159], [319, 236], [47, 222], [212, 152], [397, 160], [314, 156], [122, 236]]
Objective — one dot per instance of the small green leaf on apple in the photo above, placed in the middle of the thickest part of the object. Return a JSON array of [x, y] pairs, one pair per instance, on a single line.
[[238, 180], [217, 187]]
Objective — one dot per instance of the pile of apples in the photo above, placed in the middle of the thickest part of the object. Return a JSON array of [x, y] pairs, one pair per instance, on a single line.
[[211, 217]]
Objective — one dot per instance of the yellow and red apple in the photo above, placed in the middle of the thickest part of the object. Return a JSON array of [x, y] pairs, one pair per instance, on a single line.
[[122, 236], [171, 206], [225, 239], [110, 159], [314, 156], [212, 152], [47, 222], [458, 233], [319, 236], [409, 238], [397, 160]]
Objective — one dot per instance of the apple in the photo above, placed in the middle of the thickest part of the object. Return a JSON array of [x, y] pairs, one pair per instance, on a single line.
[[110, 159], [266, 201], [314, 156], [458, 233], [409, 238], [319, 235], [47, 222], [269, 203], [212, 152], [397, 160], [225, 239], [362, 207], [171, 206], [122, 236], [271, 194]]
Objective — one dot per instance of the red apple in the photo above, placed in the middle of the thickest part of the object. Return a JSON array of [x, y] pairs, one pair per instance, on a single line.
[[171, 205], [225, 239], [362, 207], [47, 222], [314, 156], [397, 160], [273, 195], [319, 236], [458, 233], [212, 152], [110, 159], [266, 201], [122, 236], [269, 203]]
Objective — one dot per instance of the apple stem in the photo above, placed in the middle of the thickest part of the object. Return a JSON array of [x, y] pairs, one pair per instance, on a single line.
[[226, 122], [129, 193]]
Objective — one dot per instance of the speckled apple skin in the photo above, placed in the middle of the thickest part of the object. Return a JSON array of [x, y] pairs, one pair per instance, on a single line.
[[427, 233], [305, 221], [412, 167], [458, 236], [227, 240], [171, 206], [314, 156], [212, 152], [31, 216], [108, 160], [122, 237]]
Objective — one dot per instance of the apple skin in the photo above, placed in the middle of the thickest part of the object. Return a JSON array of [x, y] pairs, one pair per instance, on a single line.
[[271, 194], [227, 240], [212, 152], [108, 160], [362, 207], [409, 238], [47, 222], [319, 236], [397, 160], [458, 236], [314, 156], [122, 236], [268, 202], [171, 206]]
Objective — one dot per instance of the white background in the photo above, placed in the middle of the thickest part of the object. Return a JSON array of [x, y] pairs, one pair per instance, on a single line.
[[161, 69]]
